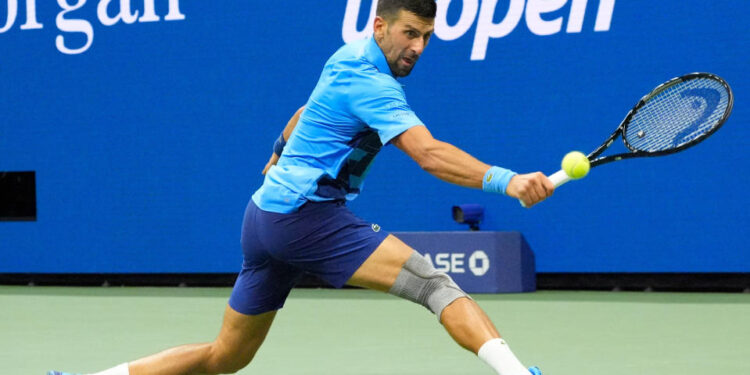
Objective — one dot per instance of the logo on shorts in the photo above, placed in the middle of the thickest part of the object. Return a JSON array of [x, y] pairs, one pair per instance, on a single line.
[[375, 228]]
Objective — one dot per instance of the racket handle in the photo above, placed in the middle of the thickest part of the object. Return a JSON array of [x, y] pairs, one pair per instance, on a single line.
[[558, 178]]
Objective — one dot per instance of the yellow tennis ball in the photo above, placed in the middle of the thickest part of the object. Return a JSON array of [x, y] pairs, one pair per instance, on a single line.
[[576, 165]]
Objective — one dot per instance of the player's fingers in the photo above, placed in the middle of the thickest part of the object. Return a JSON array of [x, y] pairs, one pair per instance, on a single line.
[[527, 202], [531, 191], [538, 186], [521, 189], [540, 193], [534, 187], [549, 187], [271, 162]]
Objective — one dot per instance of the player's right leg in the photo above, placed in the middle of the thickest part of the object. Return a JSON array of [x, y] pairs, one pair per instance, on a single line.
[[260, 290], [239, 339]]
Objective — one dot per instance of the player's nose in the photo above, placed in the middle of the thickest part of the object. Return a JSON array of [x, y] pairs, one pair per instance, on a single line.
[[418, 46]]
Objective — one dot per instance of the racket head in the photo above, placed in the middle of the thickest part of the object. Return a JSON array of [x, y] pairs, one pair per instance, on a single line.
[[677, 114]]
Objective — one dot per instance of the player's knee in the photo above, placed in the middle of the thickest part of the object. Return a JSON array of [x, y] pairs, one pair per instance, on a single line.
[[225, 360], [420, 282]]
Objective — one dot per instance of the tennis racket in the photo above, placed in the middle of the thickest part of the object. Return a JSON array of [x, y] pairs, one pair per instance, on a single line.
[[676, 115]]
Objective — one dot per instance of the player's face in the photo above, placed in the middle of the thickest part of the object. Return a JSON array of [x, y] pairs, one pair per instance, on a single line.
[[403, 40]]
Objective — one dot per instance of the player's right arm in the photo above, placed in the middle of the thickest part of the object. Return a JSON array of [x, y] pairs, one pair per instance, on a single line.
[[285, 134], [451, 164]]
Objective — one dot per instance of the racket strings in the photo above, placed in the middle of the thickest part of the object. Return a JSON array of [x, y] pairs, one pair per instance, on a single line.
[[678, 115]]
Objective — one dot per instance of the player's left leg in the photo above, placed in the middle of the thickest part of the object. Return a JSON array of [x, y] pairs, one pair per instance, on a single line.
[[238, 340], [462, 317], [396, 268]]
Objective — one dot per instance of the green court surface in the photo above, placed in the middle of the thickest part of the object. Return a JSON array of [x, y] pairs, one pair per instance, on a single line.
[[335, 332]]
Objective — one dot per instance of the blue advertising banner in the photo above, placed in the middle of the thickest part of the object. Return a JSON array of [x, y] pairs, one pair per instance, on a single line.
[[479, 262], [147, 124]]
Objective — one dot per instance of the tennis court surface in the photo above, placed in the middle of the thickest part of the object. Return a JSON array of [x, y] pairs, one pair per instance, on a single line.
[[331, 332]]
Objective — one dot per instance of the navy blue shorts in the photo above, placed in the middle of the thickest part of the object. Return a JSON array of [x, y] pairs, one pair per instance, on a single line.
[[321, 238]]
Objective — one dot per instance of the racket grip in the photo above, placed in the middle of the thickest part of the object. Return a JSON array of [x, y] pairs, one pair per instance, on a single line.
[[558, 178]]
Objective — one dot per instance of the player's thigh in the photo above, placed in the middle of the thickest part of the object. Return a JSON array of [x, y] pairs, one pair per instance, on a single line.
[[382, 267]]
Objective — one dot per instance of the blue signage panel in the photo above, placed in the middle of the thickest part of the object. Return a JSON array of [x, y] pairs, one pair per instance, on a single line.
[[146, 124], [479, 262]]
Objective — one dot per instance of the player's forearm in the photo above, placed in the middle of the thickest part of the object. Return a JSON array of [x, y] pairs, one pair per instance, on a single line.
[[289, 128], [451, 164], [278, 147]]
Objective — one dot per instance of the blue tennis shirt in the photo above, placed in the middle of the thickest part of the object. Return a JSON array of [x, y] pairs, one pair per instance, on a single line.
[[356, 108]]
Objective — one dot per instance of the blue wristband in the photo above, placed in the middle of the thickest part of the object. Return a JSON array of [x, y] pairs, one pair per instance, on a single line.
[[278, 146], [496, 180]]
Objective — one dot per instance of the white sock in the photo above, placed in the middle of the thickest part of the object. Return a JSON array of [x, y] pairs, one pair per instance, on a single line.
[[118, 370], [497, 354]]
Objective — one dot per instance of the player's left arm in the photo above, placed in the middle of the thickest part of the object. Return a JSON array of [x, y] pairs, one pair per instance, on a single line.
[[284, 137], [451, 164]]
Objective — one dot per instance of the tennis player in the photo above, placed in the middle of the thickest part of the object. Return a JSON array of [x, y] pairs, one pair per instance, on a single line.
[[298, 220]]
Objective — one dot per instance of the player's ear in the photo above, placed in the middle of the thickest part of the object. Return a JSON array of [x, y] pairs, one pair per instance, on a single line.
[[379, 27]]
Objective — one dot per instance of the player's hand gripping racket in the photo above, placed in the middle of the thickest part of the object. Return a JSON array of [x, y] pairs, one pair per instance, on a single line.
[[677, 114]]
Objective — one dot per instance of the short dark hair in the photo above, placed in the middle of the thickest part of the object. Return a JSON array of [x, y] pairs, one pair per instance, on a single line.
[[389, 9]]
